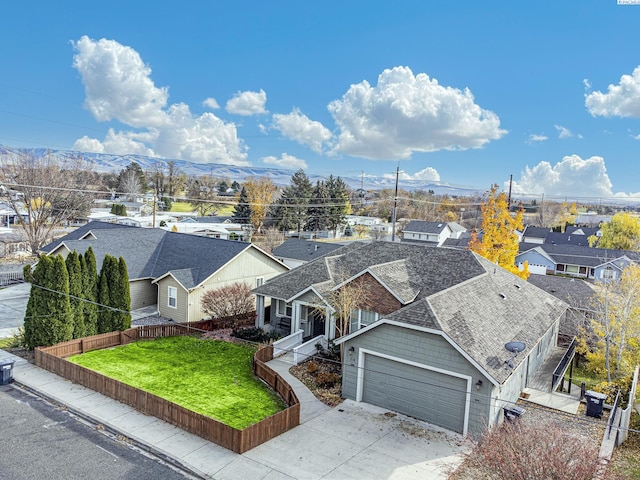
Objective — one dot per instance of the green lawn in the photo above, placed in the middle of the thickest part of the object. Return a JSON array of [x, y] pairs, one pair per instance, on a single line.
[[181, 207], [211, 377]]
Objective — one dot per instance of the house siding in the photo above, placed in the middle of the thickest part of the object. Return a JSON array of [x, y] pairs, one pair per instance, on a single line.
[[538, 264], [178, 314], [422, 348], [246, 268], [143, 293], [379, 299]]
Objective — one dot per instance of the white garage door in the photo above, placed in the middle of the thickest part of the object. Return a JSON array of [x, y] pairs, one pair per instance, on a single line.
[[429, 395]]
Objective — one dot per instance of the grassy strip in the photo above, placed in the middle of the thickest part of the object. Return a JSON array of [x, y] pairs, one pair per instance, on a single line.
[[6, 342], [210, 377]]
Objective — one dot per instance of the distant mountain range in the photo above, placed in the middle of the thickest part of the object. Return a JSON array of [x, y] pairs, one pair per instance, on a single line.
[[103, 162]]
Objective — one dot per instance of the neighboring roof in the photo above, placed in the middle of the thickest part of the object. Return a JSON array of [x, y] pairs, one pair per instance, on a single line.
[[425, 269], [461, 243], [536, 232], [567, 239], [153, 252], [420, 226], [456, 227], [586, 231], [575, 291], [579, 255], [300, 249]]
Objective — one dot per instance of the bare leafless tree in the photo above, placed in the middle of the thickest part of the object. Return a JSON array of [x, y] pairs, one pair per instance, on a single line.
[[231, 300], [130, 184], [44, 192], [271, 239]]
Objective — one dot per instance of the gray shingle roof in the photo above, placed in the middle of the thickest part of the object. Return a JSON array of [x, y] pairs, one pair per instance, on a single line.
[[579, 255], [421, 226], [536, 232], [485, 313], [575, 291], [300, 249], [153, 252]]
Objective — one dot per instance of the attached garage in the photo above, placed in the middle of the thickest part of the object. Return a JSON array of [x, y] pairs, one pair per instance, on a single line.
[[434, 395]]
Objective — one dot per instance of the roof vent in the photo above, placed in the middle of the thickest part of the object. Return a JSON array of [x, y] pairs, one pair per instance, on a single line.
[[502, 295], [517, 286]]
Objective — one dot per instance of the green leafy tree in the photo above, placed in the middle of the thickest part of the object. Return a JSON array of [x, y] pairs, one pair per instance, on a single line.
[[242, 210], [621, 233], [90, 291], [499, 242], [74, 269], [292, 206], [48, 319]]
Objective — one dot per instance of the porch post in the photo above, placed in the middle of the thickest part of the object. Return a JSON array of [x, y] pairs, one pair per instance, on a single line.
[[260, 311], [295, 321]]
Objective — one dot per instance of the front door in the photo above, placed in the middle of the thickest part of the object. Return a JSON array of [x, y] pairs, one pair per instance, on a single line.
[[318, 323]]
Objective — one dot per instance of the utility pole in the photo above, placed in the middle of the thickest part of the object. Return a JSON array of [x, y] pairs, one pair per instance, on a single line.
[[395, 205], [510, 182], [154, 210]]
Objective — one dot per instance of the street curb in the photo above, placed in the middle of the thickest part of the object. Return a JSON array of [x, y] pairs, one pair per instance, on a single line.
[[87, 418]]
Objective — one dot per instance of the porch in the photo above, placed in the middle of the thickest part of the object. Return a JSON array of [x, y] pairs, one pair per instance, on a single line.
[[542, 388]]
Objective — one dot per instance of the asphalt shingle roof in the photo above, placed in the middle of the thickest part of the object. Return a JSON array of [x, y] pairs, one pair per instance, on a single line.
[[300, 249], [421, 226], [578, 254], [153, 252]]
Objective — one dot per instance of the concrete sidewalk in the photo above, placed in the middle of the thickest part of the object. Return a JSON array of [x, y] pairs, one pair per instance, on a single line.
[[353, 441]]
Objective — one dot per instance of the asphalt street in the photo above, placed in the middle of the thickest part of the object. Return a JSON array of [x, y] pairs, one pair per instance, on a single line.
[[38, 440], [13, 303]]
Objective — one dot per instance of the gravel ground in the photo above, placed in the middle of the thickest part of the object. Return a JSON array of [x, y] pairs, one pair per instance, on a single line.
[[307, 372]]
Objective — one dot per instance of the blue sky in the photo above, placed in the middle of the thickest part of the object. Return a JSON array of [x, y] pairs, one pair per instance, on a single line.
[[464, 93]]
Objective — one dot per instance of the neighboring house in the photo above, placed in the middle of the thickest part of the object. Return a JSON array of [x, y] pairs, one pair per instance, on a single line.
[[224, 229], [13, 243], [574, 260], [434, 233], [535, 234], [591, 219], [171, 270], [297, 251], [430, 342], [362, 220], [576, 292]]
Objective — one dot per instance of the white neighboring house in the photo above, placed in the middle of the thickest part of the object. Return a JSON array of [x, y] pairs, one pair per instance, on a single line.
[[435, 233], [225, 231]]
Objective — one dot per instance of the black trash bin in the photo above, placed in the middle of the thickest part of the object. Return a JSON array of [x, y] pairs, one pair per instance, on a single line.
[[513, 413], [595, 403], [6, 371]]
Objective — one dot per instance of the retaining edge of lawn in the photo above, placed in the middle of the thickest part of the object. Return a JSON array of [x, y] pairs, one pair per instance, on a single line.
[[53, 359]]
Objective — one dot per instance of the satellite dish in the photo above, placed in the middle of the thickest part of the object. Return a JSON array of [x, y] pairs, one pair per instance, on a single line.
[[515, 347]]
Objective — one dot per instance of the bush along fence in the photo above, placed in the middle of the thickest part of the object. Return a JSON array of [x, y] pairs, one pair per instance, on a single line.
[[239, 441]]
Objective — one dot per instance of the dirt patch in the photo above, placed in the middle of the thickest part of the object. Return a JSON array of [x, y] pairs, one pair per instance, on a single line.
[[323, 378], [28, 355]]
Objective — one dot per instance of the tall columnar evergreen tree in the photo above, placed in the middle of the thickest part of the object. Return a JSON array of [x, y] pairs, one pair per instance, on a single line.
[[48, 319], [318, 211], [121, 297], [74, 270], [340, 207], [90, 291], [105, 297], [292, 206], [242, 210]]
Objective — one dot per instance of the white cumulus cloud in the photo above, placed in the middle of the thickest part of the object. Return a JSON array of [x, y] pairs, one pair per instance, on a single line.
[[247, 103], [300, 128], [535, 137], [285, 161], [571, 176], [428, 174], [212, 103], [622, 100], [406, 113], [118, 86]]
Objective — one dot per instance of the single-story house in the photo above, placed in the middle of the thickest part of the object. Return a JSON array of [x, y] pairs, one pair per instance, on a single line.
[[434, 339], [575, 260], [434, 233], [171, 270], [533, 234], [298, 251]]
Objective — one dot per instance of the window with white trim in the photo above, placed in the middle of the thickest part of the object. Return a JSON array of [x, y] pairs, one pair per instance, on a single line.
[[361, 318], [172, 293], [259, 281], [284, 309]]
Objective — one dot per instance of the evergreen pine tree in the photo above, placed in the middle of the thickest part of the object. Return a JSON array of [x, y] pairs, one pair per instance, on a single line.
[[34, 324], [317, 213], [60, 319], [75, 291], [242, 210], [339, 194], [90, 291], [292, 206]]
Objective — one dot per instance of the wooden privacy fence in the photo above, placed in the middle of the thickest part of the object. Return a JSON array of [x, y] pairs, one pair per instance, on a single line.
[[53, 359]]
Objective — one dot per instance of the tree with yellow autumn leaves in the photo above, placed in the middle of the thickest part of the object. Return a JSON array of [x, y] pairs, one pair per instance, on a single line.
[[499, 241]]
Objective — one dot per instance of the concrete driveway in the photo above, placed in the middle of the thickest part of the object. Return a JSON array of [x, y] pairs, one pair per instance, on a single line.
[[13, 303], [357, 441]]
